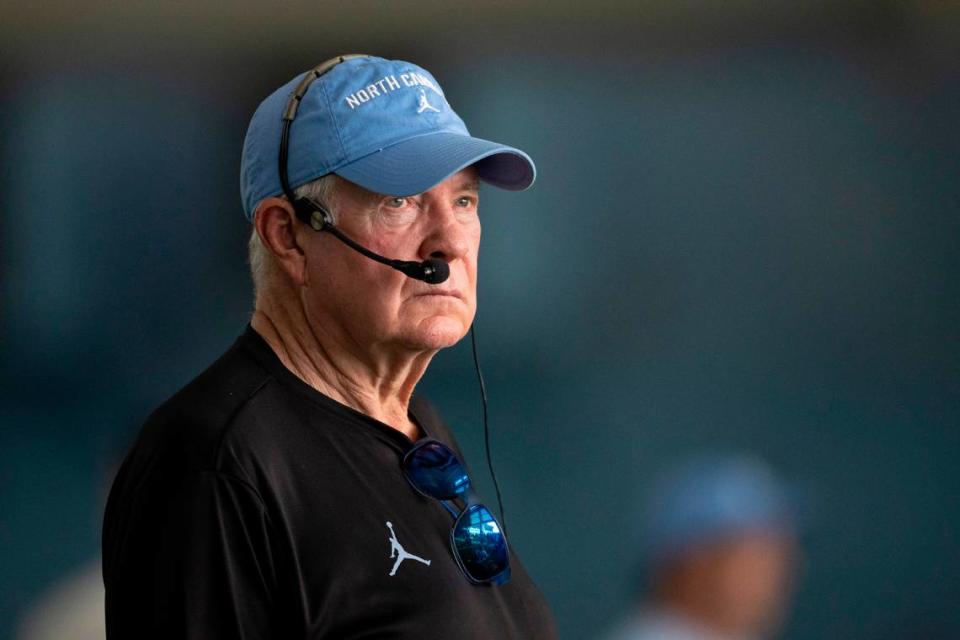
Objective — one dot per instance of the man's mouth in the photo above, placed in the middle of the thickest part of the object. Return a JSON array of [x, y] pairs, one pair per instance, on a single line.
[[453, 293]]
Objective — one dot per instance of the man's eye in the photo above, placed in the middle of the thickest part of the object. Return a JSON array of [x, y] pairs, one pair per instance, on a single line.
[[464, 201], [396, 203]]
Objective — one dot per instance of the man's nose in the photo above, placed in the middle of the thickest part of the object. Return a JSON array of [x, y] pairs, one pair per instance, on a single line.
[[448, 236]]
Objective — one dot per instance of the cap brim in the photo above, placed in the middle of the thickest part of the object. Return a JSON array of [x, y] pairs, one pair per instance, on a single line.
[[419, 164]]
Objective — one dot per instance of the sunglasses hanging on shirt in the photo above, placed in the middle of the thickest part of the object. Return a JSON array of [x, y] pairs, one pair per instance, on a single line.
[[476, 538]]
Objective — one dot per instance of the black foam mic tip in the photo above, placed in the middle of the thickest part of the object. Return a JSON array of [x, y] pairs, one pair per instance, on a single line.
[[435, 271], [432, 271]]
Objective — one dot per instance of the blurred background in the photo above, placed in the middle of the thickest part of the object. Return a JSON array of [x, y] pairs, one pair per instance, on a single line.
[[744, 236]]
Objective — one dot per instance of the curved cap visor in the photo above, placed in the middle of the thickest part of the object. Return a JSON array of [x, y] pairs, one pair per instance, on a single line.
[[418, 164]]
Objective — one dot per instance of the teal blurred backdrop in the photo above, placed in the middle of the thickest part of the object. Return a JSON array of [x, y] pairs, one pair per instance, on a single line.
[[745, 235]]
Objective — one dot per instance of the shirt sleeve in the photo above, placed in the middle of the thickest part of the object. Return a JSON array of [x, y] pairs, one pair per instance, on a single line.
[[206, 570]]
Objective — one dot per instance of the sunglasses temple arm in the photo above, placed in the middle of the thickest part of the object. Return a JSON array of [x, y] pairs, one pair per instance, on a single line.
[[451, 510]]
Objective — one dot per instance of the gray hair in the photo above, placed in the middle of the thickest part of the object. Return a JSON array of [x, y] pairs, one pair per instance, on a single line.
[[262, 263]]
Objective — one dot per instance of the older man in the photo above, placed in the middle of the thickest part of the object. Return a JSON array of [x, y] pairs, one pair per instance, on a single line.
[[297, 488]]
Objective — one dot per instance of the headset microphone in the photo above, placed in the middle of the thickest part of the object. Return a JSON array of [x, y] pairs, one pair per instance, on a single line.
[[431, 271]]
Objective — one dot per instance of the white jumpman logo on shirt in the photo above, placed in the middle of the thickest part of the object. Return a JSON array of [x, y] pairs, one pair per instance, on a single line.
[[424, 105], [397, 551]]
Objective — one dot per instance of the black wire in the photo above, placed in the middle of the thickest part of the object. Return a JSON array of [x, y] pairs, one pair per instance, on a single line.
[[284, 153], [486, 429]]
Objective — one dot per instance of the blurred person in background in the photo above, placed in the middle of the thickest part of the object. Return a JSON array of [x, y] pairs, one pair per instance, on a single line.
[[71, 608], [719, 554], [298, 488]]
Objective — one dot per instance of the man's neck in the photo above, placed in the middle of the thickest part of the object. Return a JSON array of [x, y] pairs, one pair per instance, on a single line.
[[376, 386]]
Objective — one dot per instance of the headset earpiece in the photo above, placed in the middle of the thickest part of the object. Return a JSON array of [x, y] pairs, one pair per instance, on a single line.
[[313, 214]]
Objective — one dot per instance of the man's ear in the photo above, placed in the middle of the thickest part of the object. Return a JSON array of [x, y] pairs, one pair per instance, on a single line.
[[277, 225]]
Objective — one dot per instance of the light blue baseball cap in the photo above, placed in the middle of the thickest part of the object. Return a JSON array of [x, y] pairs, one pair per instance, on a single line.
[[385, 125], [715, 496]]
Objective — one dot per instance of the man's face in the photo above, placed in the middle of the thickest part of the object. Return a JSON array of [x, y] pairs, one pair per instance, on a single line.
[[757, 572], [747, 578], [375, 308]]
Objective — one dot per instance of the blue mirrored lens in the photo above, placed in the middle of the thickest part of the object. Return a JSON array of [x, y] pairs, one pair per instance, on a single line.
[[435, 470], [480, 545]]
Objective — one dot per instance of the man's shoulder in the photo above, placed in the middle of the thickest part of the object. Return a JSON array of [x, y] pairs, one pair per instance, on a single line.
[[192, 424], [178, 445], [654, 622]]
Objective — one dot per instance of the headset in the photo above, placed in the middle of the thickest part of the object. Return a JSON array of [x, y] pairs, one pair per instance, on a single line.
[[431, 271]]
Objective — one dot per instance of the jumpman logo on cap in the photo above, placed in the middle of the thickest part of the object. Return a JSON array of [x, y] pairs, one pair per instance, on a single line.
[[397, 551], [424, 104]]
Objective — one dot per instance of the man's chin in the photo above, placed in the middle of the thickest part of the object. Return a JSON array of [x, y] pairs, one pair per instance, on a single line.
[[437, 332]]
